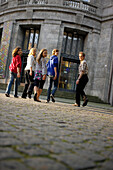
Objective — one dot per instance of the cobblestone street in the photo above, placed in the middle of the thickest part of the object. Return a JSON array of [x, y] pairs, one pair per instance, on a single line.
[[54, 136]]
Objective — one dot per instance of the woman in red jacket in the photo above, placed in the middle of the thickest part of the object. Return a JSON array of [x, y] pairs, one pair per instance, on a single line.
[[15, 70]]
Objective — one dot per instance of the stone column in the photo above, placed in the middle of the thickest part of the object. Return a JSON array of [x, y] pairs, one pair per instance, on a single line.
[[49, 38], [49, 35], [91, 50], [103, 62], [108, 66], [5, 47]]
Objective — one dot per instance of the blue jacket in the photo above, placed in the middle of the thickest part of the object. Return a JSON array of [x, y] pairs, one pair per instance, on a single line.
[[53, 62]]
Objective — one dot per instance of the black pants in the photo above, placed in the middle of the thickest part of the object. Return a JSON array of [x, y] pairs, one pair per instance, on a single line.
[[29, 83], [39, 83], [80, 88]]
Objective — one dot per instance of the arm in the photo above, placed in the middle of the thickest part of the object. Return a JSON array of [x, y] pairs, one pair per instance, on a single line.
[[44, 69], [18, 72], [44, 77], [30, 71], [55, 69], [31, 58], [18, 66]]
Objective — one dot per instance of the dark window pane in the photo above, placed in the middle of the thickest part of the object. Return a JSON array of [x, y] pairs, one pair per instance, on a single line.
[[31, 39], [68, 75], [64, 42], [80, 42], [74, 45], [36, 38], [68, 46], [26, 39]]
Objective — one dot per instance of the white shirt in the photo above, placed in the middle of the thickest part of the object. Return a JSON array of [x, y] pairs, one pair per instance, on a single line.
[[30, 63]]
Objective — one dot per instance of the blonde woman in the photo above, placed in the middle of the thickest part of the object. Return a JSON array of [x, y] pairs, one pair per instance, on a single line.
[[29, 74], [40, 74]]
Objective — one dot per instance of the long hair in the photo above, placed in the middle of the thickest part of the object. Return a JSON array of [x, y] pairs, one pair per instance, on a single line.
[[31, 51], [54, 51], [15, 51], [40, 55]]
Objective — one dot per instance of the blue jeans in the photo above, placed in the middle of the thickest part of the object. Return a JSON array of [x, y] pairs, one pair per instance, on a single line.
[[12, 77], [51, 81]]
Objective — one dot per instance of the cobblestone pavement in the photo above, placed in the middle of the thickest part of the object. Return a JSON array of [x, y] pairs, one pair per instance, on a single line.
[[54, 136]]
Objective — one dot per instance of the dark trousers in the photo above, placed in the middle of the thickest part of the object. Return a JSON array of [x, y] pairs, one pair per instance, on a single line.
[[29, 83], [80, 88], [51, 82]]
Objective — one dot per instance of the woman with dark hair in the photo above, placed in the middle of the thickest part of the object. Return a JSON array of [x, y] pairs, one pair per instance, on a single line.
[[40, 74], [15, 70]]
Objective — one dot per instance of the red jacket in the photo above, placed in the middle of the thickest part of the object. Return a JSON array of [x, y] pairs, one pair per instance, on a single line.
[[16, 62]]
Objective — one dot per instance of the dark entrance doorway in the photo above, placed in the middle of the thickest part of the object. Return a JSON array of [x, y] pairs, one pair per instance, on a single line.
[[68, 73], [30, 40], [73, 43]]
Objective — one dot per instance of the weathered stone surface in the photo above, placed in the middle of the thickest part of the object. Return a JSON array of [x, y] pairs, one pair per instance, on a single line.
[[12, 164], [44, 163], [8, 153], [54, 136]]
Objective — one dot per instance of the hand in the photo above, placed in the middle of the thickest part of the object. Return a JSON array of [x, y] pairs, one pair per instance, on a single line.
[[30, 73], [44, 77], [77, 82], [55, 78], [18, 75]]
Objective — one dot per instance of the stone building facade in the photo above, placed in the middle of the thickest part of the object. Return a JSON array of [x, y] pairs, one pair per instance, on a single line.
[[68, 25]]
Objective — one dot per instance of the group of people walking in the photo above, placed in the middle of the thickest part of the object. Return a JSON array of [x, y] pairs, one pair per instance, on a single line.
[[36, 72]]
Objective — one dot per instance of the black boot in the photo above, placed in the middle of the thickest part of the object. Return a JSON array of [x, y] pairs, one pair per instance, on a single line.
[[35, 97], [29, 94], [24, 95], [85, 102]]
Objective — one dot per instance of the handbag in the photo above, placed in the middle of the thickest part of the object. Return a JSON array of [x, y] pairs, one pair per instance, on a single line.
[[38, 75]]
